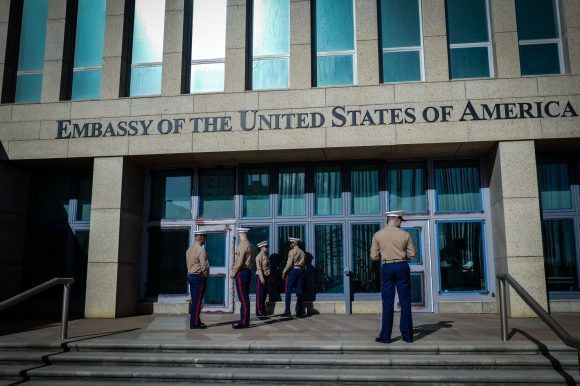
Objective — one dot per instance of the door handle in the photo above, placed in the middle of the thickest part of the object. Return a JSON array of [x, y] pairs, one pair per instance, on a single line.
[[347, 272]]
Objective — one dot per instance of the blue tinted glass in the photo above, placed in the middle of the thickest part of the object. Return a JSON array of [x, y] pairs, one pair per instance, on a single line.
[[417, 290], [28, 88], [216, 193], [554, 185], [467, 21], [469, 63], [334, 70], [269, 73], [256, 201], [208, 29], [401, 66], [400, 23], [33, 35], [407, 185], [215, 293], [291, 189], [215, 247], [86, 84], [415, 234], [539, 59], [148, 31], [334, 25], [90, 34], [327, 191], [328, 263], [146, 80], [458, 187], [364, 188], [537, 19], [207, 77], [271, 27], [170, 196]]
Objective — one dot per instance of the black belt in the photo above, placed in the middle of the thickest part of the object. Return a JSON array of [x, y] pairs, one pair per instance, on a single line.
[[392, 261]]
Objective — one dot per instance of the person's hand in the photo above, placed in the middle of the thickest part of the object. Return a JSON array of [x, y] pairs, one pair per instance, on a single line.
[[262, 281]]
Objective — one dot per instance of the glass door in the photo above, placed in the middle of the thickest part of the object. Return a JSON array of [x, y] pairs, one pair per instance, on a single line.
[[329, 259]]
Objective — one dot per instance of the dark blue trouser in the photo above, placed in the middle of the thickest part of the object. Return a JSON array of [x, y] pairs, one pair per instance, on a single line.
[[397, 274], [261, 293], [294, 278], [243, 278], [197, 290]]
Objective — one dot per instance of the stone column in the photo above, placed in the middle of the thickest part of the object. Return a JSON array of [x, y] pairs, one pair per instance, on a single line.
[[172, 48], [115, 240], [571, 27], [367, 42], [113, 49], [53, 51], [235, 68], [435, 40], [300, 45], [505, 38], [4, 18], [516, 224], [13, 207]]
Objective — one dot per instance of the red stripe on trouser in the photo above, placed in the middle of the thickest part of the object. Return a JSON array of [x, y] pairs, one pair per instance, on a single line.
[[198, 306], [258, 303], [242, 311]]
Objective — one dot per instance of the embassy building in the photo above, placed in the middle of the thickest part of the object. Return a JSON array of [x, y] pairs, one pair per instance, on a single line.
[[126, 125]]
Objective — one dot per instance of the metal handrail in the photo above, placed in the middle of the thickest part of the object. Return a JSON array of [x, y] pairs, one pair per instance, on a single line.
[[66, 281], [504, 278]]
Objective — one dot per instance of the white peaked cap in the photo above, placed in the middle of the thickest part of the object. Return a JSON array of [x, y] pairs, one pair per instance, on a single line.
[[294, 239], [242, 230], [262, 244], [200, 232], [395, 213]]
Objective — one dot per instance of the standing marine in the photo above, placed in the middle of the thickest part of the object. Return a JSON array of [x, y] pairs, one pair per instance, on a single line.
[[293, 275], [241, 273], [197, 274], [262, 278]]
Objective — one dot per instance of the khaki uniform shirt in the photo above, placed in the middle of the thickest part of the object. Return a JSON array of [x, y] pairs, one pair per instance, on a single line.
[[243, 258], [197, 260], [296, 257], [262, 266], [392, 243]]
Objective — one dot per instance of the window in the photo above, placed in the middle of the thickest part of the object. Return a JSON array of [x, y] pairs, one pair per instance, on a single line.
[[88, 51], [366, 273], [147, 49], [334, 42], [401, 40], [166, 269], [31, 51], [216, 193], [328, 258], [364, 189], [560, 254], [407, 186], [468, 32], [458, 186], [291, 192], [270, 44], [170, 195], [540, 37], [208, 46], [554, 185], [256, 201], [327, 191]]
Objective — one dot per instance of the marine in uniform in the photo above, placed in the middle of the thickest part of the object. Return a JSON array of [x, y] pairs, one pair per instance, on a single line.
[[197, 274], [394, 247], [241, 273], [293, 275], [262, 278]]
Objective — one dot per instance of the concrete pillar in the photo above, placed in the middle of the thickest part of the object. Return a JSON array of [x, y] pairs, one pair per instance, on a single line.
[[53, 51], [235, 69], [13, 207], [516, 224], [571, 35], [435, 40], [172, 48], [4, 17], [300, 45], [367, 42], [113, 49], [113, 269], [505, 38]]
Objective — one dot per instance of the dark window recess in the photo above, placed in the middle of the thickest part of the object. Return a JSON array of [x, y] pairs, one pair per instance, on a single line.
[[12, 49]]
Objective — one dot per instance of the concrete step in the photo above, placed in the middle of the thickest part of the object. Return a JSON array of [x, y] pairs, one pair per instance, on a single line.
[[118, 374]]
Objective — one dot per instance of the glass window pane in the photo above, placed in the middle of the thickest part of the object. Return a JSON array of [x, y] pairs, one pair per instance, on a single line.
[[560, 255], [537, 19], [256, 201], [458, 187], [148, 31], [209, 30], [28, 88], [461, 257], [407, 186], [469, 62], [170, 196], [327, 190], [364, 188], [80, 258], [215, 247], [401, 66], [86, 84], [334, 25], [334, 70], [53, 195], [328, 259], [166, 270], [146, 80], [366, 273], [215, 292], [400, 23], [256, 235], [291, 188], [415, 233], [539, 59], [216, 193], [49, 251], [554, 185], [466, 21], [90, 33], [32, 35], [207, 77], [417, 288], [271, 27], [269, 73], [284, 232], [84, 199]]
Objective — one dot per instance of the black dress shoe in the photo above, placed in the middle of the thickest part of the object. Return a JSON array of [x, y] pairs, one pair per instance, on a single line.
[[260, 314], [238, 326], [285, 315], [200, 327], [380, 340]]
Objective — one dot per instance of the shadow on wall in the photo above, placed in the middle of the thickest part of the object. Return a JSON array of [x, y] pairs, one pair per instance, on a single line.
[[3, 154]]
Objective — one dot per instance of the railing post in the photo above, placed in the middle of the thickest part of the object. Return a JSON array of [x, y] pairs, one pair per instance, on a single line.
[[65, 310], [503, 310]]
